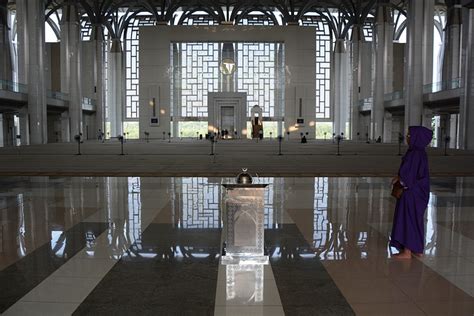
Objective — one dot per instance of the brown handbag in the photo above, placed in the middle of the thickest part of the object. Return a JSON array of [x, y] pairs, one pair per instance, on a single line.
[[397, 190]]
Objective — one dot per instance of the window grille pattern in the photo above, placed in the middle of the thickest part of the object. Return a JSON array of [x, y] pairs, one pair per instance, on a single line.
[[132, 64], [368, 29], [86, 29], [255, 19], [199, 19], [256, 70], [323, 65], [199, 73], [200, 203], [197, 65]]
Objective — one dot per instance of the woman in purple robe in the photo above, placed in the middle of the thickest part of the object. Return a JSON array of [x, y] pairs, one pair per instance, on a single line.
[[408, 233]]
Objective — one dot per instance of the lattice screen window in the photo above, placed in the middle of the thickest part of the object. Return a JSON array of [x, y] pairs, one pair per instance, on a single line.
[[255, 19], [86, 29], [199, 73], [200, 19], [132, 64], [200, 203], [368, 29], [196, 72], [256, 71], [323, 65]]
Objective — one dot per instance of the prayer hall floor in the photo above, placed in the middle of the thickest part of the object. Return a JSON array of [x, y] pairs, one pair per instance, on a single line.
[[191, 157], [152, 245]]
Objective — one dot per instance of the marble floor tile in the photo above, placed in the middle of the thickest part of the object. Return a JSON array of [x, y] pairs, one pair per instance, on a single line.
[[78, 267], [376, 290], [453, 307], [387, 309], [249, 310], [41, 308], [327, 239], [62, 290], [431, 287]]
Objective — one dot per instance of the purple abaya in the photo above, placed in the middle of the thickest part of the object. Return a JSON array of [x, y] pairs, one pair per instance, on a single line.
[[408, 224]]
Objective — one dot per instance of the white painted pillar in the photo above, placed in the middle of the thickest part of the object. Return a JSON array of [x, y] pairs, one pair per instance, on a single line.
[[452, 43], [383, 35], [5, 47], [428, 40], [33, 12], [466, 115], [71, 63], [340, 98], [414, 65], [24, 126], [115, 93], [23, 47], [98, 39], [356, 43]]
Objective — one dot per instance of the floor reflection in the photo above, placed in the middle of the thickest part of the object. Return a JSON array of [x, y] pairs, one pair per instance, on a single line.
[[343, 222]]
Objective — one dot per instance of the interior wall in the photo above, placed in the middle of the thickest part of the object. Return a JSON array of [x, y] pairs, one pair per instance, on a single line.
[[300, 64]]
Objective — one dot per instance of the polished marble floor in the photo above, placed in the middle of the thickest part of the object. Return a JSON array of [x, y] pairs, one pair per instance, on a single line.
[[133, 246]]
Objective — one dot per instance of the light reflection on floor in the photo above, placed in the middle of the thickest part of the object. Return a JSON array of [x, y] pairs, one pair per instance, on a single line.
[[347, 222]]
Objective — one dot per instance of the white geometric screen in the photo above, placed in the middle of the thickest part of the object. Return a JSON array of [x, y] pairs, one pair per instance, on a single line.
[[323, 64]]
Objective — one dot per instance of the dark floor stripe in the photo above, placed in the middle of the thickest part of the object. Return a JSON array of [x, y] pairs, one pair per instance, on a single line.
[[21, 277], [171, 271], [304, 285]]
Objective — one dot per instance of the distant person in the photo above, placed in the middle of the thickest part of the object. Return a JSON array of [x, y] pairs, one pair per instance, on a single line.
[[413, 177], [260, 134], [303, 140], [100, 135], [379, 140]]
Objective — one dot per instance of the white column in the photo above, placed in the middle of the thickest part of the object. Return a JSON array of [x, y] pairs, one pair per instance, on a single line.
[[98, 38], [357, 39], [24, 126], [71, 62], [414, 65], [115, 88], [33, 12], [428, 41], [387, 128], [23, 47], [452, 44], [5, 48], [466, 115], [383, 29], [340, 92], [65, 127]]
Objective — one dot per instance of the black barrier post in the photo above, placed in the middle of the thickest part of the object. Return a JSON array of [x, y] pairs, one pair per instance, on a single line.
[[338, 139], [77, 138], [212, 144], [120, 138], [400, 141], [447, 139], [288, 135], [147, 136], [280, 139], [164, 133], [169, 137]]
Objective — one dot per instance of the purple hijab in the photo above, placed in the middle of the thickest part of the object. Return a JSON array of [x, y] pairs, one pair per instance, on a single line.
[[408, 224]]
